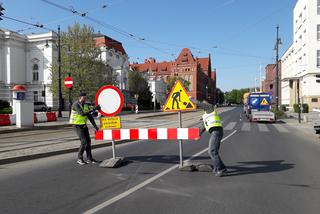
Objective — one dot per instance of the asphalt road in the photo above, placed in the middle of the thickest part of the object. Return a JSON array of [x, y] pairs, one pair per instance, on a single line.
[[273, 169]]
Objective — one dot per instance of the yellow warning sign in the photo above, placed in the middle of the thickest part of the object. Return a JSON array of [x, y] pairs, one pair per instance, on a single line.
[[178, 99], [110, 123], [264, 102]]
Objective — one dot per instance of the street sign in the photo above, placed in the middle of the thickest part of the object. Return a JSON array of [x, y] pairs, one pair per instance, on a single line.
[[110, 123], [110, 100], [178, 99], [264, 102], [68, 82]]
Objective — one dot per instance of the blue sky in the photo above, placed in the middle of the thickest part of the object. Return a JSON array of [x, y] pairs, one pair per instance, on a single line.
[[239, 34]]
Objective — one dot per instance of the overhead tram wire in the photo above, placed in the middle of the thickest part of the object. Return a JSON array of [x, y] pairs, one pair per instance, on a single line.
[[63, 19], [108, 26], [24, 22]]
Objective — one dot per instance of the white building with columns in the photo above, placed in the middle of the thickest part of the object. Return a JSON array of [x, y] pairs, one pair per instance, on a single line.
[[25, 60], [301, 61], [114, 55]]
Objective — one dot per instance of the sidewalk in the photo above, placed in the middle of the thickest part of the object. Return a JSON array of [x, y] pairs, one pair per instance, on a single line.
[[307, 122], [42, 146]]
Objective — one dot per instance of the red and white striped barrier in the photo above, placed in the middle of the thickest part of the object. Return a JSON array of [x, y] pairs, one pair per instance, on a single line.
[[149, 134], [10, 119]]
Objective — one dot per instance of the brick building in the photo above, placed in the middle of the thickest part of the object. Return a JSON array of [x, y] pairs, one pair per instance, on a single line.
[[195, 70], [269, 83]]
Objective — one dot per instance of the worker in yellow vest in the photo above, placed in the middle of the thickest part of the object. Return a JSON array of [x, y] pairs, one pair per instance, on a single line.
[[80, 112], [212, 124]]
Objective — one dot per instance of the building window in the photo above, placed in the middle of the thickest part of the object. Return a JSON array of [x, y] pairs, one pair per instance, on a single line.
[[318, 7], [318, 32], [35, 72], [314, 100], [35, 96], [318, 58]]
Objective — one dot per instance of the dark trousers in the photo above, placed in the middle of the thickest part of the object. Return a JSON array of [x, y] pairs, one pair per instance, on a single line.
[[213, 150], [83, 133]]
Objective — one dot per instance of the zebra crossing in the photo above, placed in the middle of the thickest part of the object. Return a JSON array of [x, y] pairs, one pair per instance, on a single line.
[[261, 127]]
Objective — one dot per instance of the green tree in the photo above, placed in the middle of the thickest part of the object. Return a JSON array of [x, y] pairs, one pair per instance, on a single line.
[[80, 58], [235, 96], [172, 80], [138, 85]]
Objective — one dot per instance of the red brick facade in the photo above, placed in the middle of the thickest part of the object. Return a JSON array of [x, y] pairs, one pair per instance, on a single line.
[[195, 70], [268, 84]]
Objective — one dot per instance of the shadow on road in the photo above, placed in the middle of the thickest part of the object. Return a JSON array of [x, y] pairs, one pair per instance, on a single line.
[[255, 167], [169, 159]]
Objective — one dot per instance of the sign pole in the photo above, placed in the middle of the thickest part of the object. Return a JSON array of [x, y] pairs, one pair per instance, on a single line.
[[113, 150], [180, 141]]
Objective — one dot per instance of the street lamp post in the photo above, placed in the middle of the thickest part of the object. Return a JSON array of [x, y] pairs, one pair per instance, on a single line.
[[278, 42], [59, 75]]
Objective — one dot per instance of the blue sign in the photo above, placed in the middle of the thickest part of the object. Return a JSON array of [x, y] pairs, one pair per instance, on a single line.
[[254, 101]]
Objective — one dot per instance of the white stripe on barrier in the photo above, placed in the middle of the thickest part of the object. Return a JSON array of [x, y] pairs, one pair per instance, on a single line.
[[143, 134], [107, 134], [125, 134], [182, 133], [162, 133]]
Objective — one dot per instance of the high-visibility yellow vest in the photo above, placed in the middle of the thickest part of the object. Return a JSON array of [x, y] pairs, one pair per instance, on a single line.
[[76, 118], [211, 120]]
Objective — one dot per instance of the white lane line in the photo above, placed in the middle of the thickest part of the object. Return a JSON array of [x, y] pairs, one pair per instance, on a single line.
[[246, 127], [146, 182], [230, 126], [263, 127], [280, 128]]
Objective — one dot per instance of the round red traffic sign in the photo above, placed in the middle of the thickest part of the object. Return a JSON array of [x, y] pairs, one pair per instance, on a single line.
[[68, 82], [110, 100]]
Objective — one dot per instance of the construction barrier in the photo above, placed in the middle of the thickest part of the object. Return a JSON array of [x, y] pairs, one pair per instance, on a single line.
[[38, 117], [4, 120], [149, 134]]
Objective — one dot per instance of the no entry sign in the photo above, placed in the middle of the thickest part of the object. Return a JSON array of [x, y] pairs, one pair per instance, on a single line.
[[110, 99], [68, 82]]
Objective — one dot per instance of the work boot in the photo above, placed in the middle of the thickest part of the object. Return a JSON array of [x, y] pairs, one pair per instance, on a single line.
[[81, 162], [221, 173]]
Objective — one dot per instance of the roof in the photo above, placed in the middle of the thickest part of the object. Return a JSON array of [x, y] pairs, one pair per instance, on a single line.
[[103, 40]]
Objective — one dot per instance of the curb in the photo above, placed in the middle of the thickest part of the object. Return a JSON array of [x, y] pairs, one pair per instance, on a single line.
[[7, 131]]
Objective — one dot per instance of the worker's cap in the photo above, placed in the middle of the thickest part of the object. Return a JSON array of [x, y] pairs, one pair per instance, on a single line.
[[82, 94], [209, 109]]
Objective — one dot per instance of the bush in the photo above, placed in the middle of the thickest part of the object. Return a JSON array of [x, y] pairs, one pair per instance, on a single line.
[[278, 113], [283, 108], [295, 108], [305, 108], [7, 110], [4, 104]]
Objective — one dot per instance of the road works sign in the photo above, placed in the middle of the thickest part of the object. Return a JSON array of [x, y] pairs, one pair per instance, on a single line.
[[110, 123], [178, 99], [264, 102], [110, 99]]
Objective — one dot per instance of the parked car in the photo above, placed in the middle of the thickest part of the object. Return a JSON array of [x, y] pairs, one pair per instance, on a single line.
[[41, 106]]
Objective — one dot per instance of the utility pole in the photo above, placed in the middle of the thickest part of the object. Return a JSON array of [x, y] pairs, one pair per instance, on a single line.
[[278, 42], [59, 74]]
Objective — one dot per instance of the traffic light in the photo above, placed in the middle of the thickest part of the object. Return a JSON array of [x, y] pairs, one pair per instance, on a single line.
[[1, 9], [318, 76]]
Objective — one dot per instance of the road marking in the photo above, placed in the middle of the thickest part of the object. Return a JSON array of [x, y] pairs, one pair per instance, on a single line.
[[230, 126], [280, 128], [246, 127], [146, 182], [263, 127]]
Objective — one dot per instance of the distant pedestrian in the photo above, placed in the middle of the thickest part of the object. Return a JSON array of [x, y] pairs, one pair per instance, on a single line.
[[212, 124], [80, 112]]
